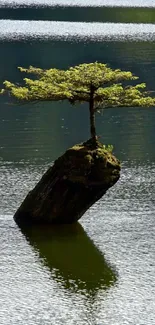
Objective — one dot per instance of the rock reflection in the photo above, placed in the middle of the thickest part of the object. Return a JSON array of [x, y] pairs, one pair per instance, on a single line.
[[72, 257]]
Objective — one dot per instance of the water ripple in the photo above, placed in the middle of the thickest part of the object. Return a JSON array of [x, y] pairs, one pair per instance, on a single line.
[[78, 3], [121, 224], [12, 29]]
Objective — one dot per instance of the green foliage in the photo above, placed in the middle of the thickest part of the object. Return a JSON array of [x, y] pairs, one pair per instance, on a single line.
[[108, 85], [108, 148]]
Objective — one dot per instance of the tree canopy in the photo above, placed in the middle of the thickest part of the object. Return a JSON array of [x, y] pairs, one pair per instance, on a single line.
[[95, 83]]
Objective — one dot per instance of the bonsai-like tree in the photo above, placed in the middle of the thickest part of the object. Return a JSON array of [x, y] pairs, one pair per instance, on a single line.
[[95, 83]]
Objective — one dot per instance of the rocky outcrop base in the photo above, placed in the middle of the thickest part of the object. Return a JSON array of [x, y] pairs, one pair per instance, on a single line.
[[79, 178]]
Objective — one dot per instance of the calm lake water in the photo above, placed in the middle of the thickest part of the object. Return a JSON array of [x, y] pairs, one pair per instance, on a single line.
[[102, 270]]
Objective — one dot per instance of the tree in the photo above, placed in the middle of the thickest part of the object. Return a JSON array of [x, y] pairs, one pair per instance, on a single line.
[[95, 83]]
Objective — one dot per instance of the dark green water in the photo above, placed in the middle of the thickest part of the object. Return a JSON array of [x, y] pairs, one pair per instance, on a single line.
[[101, 271]]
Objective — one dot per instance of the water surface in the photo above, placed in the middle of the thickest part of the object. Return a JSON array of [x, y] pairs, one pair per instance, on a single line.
[[79, 3], [101, 271], [85, 14], [17, 29]]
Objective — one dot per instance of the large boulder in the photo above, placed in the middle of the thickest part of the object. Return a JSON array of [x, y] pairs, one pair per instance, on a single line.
[[74, 183]]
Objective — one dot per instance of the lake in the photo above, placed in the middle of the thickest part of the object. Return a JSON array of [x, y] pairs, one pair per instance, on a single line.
[[100, 271]]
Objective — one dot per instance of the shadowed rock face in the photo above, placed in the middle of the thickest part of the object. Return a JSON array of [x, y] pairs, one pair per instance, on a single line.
[[79, 178]]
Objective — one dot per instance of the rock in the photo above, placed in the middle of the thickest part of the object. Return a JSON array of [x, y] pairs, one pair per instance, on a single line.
[[74, 183]]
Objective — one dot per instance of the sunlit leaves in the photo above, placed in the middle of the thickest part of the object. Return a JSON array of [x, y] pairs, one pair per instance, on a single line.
[[31, 70], [108, 86], [97, 74]]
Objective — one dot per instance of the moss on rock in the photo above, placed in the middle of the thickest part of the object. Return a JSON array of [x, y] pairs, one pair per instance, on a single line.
[[90, 165]]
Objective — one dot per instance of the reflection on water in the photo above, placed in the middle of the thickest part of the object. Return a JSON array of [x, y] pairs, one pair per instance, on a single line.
[[72, 257], [86, 14], [16, 29], [121, 224]]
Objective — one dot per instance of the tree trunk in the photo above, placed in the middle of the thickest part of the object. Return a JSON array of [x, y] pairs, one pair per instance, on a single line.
[[92, 114]]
